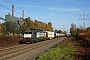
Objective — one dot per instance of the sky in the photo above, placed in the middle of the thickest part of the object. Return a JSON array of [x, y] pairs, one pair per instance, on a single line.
[[61, 13]]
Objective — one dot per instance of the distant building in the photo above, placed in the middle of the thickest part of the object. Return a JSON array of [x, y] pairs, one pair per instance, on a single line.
[[10, 18]]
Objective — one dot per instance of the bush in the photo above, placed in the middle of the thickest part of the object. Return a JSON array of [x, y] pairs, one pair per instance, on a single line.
[[86, 36], [9, 40]]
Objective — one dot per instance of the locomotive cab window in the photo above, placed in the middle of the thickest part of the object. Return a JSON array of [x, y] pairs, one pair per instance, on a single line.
[[27, 32]]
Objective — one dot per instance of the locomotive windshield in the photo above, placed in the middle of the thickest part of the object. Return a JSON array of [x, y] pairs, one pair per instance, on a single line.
[[27, 32]]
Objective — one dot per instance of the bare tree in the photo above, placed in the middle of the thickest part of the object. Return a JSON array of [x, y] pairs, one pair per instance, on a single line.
[[73, 26]]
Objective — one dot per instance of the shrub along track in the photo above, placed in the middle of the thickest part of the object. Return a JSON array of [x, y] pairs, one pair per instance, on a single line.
[[82, 47], [83, 50], [12, 52]]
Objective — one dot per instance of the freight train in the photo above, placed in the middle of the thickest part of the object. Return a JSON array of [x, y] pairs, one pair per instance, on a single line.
[[39, 35]]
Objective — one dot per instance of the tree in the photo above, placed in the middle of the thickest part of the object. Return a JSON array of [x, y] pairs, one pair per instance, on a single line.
[[59, 31], [49, 26], [28, 24], [2, 29], [36, 24], [73, 30], [73, 26], [10, 26]]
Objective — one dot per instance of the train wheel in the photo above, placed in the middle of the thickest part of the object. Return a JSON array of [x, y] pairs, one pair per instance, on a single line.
[[31, 42], [35, 41]]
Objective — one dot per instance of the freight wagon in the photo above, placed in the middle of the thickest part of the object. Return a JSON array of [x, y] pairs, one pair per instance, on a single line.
[[49, 34]]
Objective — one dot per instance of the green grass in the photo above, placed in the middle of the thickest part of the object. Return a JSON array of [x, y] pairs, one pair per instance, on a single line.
[[59, 53]]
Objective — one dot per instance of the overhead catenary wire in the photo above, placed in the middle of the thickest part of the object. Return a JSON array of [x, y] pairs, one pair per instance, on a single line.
[[24, 14], [16, 11], [40, 9], [5, 7], [10, 9]]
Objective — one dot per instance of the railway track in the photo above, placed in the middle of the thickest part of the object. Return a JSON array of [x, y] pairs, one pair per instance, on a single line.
[[11, 52]]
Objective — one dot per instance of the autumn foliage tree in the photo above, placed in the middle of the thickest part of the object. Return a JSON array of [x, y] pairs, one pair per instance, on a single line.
[[2, 29], [30, 24], [86, 34], [49, 26]]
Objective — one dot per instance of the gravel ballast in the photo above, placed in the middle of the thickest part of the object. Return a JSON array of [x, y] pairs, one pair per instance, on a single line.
[[33, 54]]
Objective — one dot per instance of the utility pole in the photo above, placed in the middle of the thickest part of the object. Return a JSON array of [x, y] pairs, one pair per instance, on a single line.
[[84, 17]]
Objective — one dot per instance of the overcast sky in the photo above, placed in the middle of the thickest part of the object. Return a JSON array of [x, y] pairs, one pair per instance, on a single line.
[[61, 13]]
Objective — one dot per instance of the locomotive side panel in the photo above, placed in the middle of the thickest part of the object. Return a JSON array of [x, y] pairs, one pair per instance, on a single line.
[[41, 36]]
